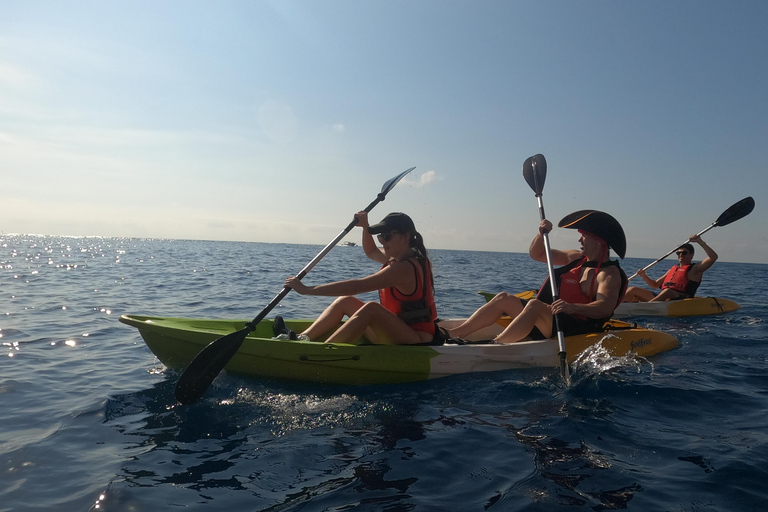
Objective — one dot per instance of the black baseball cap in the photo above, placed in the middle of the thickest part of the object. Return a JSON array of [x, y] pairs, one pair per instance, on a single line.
[[395, 221]]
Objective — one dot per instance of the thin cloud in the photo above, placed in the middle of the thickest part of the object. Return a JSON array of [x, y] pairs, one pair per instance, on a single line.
[[424, 180], [15, 77]]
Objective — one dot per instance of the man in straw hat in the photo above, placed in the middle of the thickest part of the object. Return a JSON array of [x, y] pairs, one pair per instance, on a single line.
[[590, 285]]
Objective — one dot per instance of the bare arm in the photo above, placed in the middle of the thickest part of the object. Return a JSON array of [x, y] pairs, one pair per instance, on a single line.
[[399, 275], [699, 268], [538, 251], [655, 284], [369, 245]]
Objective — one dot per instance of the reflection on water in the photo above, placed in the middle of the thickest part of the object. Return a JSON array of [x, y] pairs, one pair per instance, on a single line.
[[287, 445]]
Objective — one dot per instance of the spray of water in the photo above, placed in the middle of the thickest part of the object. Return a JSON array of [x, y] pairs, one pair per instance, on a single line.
[[597, 360]]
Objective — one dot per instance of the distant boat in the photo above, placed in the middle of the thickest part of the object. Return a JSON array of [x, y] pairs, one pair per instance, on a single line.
[[349, 244]]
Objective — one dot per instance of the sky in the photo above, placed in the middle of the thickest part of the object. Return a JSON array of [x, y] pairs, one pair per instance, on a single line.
[[275, 121]]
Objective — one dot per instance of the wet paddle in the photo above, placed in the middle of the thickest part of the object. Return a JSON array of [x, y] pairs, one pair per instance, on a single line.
[[206, 365], [535, 172], [736, 211]]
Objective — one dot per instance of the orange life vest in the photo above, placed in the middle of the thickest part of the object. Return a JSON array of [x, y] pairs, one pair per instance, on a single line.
[[676, 279], [417, 309]]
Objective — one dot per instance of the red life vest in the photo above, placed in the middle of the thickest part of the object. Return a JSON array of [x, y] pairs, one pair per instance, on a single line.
[[417, 309], [676, 279], [569, 288]]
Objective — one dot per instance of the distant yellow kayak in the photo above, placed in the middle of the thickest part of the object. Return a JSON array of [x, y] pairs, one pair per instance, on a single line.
[[695, 306]]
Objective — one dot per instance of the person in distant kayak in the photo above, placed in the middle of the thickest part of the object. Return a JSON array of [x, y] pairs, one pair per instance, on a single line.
[[405, 313], [681, 281], [590, 285]]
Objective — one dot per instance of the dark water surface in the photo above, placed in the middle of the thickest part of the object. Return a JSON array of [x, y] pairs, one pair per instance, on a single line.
[[89, 421]]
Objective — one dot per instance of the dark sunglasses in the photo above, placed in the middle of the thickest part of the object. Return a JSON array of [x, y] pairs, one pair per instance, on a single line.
[[681, 253], [386, 237]]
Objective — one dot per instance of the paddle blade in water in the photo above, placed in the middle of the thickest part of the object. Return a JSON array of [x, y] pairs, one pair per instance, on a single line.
[[206, 366], [565, 371], [736, 211], [535, 172]]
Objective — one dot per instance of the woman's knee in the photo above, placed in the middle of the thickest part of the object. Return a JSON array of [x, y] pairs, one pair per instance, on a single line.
[[507, 303], [535, 305], [502, 297], [369, 310], [347, 304]]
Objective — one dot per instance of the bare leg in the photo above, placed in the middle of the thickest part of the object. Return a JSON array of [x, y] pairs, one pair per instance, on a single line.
[[333, 315], [666, 294], [386, 326], [535, 314], [487, 314], [636, 294]]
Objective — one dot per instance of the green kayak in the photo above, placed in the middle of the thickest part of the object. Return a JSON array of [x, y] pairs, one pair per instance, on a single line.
[[176, 341]]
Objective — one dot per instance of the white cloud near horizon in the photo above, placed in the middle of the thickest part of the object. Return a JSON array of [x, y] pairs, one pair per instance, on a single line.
[[423, 180]]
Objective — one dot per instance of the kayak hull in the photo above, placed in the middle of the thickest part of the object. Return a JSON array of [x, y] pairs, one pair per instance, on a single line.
[[176, 341], [695, 306]]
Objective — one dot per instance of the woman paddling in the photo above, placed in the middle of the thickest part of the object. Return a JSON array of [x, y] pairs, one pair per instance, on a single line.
[[406, 313]]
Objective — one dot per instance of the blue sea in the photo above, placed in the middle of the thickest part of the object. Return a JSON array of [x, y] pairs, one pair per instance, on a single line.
[[88, 420]]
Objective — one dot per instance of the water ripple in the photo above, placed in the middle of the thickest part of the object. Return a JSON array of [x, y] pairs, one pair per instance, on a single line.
[[90, 422]]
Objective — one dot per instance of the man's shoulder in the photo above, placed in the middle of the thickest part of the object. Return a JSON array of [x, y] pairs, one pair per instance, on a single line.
[[697, 268], [611, 271]]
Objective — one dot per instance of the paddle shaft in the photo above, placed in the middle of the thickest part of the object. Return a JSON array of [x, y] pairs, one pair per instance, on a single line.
[[555, 295], [552, 283]]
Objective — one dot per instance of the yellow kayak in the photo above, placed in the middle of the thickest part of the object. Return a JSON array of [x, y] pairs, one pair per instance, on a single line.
[[695, 306]]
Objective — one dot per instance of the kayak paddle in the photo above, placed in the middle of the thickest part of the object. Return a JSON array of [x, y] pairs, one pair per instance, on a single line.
[[736, 211], [535, 172], [213, 358]]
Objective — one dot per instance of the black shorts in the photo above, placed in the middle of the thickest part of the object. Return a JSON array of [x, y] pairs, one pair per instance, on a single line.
[[570, 326], [439, 338]]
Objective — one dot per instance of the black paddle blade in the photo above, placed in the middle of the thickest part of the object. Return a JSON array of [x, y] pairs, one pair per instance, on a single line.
[[535, 172], [394, 181], [736, 211], [206, 366]]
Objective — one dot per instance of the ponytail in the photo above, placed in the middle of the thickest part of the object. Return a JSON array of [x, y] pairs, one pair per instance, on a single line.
[[417, 244]]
